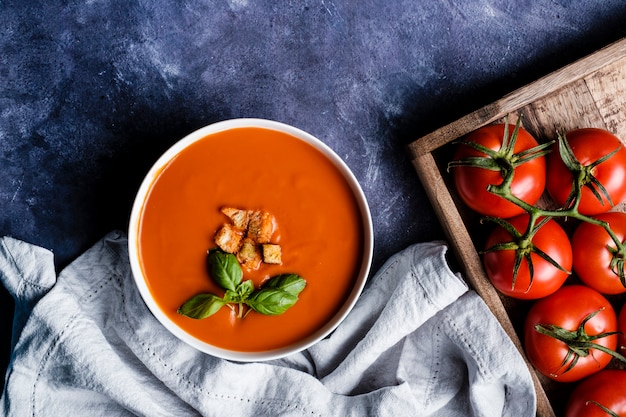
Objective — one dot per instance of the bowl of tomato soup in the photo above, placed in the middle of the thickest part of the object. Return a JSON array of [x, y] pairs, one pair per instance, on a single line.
[[278, 194]]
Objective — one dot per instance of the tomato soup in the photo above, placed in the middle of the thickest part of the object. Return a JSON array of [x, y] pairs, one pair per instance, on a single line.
[[317, 224]]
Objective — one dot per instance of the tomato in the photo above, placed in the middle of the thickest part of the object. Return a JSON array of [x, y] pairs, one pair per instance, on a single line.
[[592, 256], [499, 264], [604, 389], [570, 308], [471, 182], [588, 146]]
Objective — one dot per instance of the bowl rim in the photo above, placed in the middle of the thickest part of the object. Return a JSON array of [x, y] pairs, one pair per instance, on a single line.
[[241, 356]]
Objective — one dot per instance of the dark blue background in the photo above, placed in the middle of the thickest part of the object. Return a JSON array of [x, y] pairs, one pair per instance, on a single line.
[[92, 92]]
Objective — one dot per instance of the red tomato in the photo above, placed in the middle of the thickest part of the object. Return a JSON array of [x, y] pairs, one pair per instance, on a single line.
[[471, 182], [604, 389], [592, 258], [568, 308], [499, 264], [588, 146]]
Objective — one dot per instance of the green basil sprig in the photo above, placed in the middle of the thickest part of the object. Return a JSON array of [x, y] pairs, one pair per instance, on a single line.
[[275, 297]]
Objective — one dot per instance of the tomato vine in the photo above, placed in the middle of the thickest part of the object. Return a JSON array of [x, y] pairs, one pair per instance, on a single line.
[[587, 177], [583, 176]]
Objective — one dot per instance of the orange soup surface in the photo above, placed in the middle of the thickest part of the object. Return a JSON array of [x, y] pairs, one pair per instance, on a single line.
[[318, 226]]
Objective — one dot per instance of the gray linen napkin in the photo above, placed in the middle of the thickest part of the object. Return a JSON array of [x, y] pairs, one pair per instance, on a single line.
[[418, 343]]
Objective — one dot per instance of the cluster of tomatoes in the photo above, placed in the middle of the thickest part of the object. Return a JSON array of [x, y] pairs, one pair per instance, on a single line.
[[571, 331]]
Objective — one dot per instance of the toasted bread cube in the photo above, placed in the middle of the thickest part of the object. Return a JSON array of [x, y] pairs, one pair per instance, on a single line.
[[261, 226], [229, 238], [249, 255], [272, 253], [239, 217]]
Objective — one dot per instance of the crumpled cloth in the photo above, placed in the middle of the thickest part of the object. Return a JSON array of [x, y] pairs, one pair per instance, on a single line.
[[418, 343]]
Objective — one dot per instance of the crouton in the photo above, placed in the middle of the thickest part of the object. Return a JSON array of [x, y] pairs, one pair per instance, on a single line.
[[229, 238], [272, 253], [249, 254], [261, 226], [248, 236], [240, 218]]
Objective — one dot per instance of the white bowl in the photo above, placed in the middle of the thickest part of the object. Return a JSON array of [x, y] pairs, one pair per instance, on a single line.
[[244, 356]]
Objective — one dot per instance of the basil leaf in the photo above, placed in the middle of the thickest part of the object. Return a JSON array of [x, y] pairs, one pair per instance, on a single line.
[[225, 269], [271, 301], [245, 289], [231, 296], [290, 283], [201, 306]]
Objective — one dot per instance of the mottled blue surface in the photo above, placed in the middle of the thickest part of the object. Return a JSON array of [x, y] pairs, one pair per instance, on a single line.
[[92, 92]]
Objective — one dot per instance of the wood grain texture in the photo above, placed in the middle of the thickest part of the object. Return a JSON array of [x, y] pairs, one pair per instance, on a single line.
[[590, 92]]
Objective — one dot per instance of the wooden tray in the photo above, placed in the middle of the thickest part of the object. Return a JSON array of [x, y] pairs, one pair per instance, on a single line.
[[590, 92]]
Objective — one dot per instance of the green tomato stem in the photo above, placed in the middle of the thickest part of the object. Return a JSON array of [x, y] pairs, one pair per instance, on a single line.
[[603, 408], [578, 341]]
